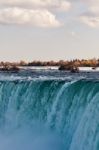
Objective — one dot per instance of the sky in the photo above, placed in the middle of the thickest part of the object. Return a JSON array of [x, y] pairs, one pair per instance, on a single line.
[[49, 29]]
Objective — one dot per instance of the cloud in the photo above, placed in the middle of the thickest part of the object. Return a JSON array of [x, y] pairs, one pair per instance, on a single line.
[[21, 16], [90, 16], [40, 13], [61, 5], [93, 5], [92, 21]]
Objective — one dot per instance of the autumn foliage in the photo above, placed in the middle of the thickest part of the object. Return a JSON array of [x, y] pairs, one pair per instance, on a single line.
[[76, 63]]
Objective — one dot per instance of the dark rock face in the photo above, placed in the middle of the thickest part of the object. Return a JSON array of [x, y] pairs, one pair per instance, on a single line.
[[72, 69], [93, 68], [75, 70], [10, 68], [63, 67]]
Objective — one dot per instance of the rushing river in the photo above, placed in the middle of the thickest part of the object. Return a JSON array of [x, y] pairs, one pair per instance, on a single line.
[[49, 110]]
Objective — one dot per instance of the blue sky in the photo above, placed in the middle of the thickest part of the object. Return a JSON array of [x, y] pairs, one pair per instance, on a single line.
[[48, 29]]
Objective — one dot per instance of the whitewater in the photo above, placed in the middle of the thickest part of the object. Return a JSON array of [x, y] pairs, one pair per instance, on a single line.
[[49, 110]]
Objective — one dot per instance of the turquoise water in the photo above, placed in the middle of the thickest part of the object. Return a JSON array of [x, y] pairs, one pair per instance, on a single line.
[[49, 113]]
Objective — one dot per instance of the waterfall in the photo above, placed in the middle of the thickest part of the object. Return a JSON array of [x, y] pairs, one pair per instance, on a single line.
[[49, 115]]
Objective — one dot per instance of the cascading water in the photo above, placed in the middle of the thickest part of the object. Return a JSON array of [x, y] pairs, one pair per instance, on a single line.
[[49, 115]]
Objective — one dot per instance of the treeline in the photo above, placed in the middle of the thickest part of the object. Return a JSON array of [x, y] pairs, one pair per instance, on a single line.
[[76, 62]]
